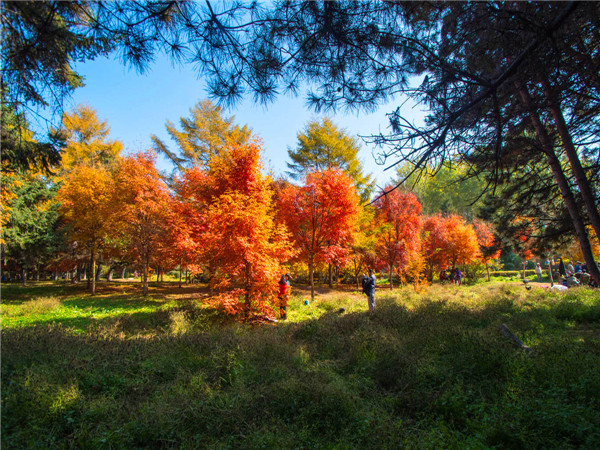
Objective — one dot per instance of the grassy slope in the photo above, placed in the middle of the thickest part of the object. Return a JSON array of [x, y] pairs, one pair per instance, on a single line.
[[426, 370]]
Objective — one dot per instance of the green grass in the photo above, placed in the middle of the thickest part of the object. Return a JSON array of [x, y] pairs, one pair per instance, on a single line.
[[427, 370]]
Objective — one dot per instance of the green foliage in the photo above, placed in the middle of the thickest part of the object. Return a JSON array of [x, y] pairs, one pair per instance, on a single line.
[[31, 233], [448, 190], [425, 370]]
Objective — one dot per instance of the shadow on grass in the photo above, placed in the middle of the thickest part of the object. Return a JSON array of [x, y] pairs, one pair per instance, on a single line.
[[438, 368]]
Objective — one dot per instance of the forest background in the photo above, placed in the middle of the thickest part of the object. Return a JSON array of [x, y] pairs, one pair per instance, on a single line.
[[170, 220]]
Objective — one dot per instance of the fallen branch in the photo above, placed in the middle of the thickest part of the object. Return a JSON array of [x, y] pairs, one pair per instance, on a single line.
[[518, 343]]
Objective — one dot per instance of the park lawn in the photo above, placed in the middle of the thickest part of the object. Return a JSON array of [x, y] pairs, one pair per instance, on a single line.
[[427, 370]]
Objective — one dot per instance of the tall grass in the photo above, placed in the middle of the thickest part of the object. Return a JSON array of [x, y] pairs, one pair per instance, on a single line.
[[426, 370]]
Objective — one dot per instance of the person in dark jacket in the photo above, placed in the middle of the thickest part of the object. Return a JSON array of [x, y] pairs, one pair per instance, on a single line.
[[369, 290]]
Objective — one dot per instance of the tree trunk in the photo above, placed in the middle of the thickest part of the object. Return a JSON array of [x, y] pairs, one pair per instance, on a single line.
[[583, 183], [391, 277], [145, 278], [180, 269], [109, 275], [330, 281], [487, 268], [123, 272], [551, 275], [562, 182], [311, 279], [98, 271], [157, 274], [24, 275], [37, 271], [92, 278]]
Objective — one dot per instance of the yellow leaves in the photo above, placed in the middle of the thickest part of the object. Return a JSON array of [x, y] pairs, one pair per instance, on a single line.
[[87, 140], [85, 196]]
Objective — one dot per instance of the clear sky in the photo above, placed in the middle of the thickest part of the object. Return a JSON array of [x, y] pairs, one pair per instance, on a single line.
[[136, 106]]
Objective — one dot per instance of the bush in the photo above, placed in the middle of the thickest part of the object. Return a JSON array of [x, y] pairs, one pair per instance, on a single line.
[[473, 272]]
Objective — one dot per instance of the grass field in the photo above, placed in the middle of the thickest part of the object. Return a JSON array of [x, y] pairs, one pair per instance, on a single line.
[[426, 370]]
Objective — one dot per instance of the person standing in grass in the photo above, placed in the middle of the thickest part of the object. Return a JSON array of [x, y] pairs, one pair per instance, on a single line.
[[283, 295], [538, 271], [458, 277], [368, 285]]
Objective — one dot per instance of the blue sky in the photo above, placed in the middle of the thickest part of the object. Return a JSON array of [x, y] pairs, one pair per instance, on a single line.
[[137, 106]]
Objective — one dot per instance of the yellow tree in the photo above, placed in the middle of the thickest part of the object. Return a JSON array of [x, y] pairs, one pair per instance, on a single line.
[[206, 133], [87, 140], [85, 197]]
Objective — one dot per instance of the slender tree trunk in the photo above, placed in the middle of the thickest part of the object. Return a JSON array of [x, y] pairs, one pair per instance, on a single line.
[[330, 281], [123, 272], [145, 277], [583, 183], [24, 274], [92, 278], [37, 271], [551, 274], [487, 268], [311, 278], [98, 271], [109, 275], [391, 277], [562, 182], [180, 269], [157, 274]]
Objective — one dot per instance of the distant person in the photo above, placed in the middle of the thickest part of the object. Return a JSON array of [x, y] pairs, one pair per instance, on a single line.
[[570, 267], [561, 268], [458, 276], [538, 271], [368, 287], [443, 276], [578, 267], [283, 295]]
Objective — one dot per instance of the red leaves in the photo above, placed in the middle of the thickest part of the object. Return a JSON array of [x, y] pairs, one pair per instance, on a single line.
[[226, 222], [321, 215], [449, 241], [399, 217]]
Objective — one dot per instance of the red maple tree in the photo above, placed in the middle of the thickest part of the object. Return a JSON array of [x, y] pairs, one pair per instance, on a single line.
[[321, 216], [399, 216]]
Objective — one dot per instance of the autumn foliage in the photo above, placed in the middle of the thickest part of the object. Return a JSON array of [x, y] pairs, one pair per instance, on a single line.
[[448, 242], [399, 218], [142, 207], [321, 216], [230, 226], [85, 195]]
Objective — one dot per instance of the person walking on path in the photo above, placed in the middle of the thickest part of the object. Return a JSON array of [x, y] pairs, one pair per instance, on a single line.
[[538, 271], [368, 285], [283, 295]]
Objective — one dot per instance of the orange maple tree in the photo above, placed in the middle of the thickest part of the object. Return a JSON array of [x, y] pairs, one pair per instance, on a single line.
[[399, 216], [229, 222], [448, 241], [321, 216], [489, 246], [142, 208]]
